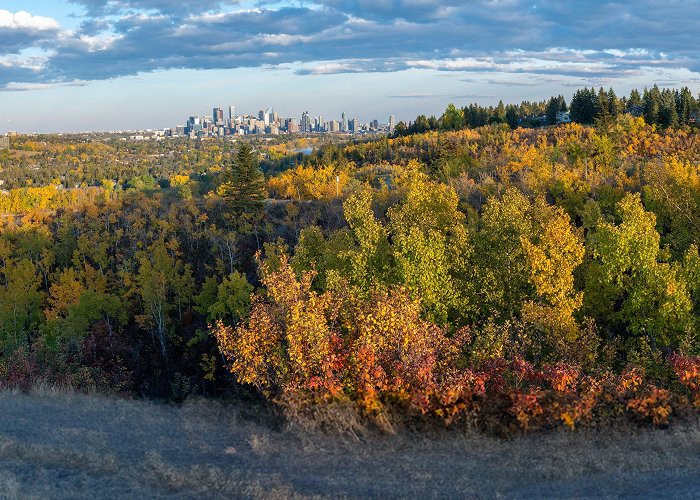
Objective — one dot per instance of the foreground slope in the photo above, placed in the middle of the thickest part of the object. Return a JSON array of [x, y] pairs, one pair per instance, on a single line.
[[74, 446]]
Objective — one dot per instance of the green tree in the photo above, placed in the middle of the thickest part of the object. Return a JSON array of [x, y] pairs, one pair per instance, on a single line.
[[370, 255], [452, 118], [243, 185], [165, 286], [432, 249], [20, 301], [228, 300], [630, 291]]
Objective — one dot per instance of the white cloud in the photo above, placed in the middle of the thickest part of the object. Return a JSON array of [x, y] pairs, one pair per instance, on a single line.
[[20, 87], [25, 21]]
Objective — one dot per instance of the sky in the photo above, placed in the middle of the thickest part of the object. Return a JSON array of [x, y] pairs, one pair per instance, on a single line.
[[133, 64]]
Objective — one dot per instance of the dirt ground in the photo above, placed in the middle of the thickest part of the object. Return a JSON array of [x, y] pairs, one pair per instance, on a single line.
[[57, 445]]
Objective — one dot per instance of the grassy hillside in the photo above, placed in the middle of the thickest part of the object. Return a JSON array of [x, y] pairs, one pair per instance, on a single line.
[[68, 446]]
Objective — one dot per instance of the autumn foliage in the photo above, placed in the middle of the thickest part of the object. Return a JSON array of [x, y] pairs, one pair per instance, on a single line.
[[506, 278]]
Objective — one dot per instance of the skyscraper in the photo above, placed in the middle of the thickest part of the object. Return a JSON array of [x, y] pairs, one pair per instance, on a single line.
[[231, 113], [392, 124], [218, 116], [344, 124]]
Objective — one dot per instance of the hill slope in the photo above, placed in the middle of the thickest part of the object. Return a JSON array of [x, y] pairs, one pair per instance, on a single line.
[[74, 446]]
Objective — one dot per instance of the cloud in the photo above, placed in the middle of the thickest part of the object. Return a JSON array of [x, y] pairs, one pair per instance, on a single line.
[[21, 30], [416, 95], [97, 8], [24, 21], [572, 42]]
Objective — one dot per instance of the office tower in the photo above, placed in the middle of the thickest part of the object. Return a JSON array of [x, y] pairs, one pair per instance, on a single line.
[[374, 125], [353, 126], [192, 122], [305, 122], [392, 124], [218, 115], [231, 113], [344, 124]]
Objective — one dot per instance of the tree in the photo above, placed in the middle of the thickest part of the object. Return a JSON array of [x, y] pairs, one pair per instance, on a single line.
[[554, 106], [370, 255], [668, 115], [526, 254], [634, 100], [630, 291], [244, 183], [432, 249], [165, 285], [584, 106], [652, 105], [512, 116], [20, 301], [452, 118]]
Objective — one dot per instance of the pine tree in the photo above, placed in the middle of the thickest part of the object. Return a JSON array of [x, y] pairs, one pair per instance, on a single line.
[[244, 184], [552, 109], [652, 105]]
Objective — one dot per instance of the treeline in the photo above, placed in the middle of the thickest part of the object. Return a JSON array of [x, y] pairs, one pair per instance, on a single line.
[[95, 161], [665, 108], [511, 279]]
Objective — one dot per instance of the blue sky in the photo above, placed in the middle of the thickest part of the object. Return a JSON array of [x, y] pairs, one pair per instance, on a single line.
[[126, 64]]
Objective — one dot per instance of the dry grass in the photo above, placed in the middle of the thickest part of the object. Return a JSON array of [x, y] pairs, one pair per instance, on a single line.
[[54, 443]]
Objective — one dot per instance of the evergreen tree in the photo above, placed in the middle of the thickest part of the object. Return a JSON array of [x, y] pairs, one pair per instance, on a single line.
[[635, 99], [614, 105], [602, 114], [652, 105], [553, 107], [512, 116], [244, 183], [585, 105], [668, 116]]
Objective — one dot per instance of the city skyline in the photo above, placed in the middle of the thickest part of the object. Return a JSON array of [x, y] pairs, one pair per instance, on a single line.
[[134, 64], [269, 122]]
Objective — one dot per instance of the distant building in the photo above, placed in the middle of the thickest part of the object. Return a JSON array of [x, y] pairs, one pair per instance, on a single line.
[[392, 124], [353, 126], [4, 143], [231, 114], [344, 124], [563, 117], [218, 116], [192, 125], [333, 126]]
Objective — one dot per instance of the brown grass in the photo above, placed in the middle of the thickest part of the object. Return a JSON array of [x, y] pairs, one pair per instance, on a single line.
[[54, 444]]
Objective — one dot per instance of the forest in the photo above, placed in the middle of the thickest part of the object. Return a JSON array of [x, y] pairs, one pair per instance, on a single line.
[[504, 277]]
